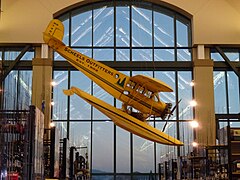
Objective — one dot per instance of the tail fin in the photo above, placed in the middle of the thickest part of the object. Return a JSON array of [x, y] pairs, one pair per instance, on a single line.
[[68, 92], [55, 30]]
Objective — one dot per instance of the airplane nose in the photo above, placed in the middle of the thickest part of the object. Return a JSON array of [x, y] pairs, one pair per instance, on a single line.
[[167, 110], [169, 107]]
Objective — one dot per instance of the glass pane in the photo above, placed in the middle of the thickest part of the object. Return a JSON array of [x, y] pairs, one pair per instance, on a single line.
[[233, 93], [11, 55], [182, 35], [81, 28], [122, 55], [146, 73], [103, 54], [186, 136], [167, 77], [163, 30], [171, 128], [142, 55], [184, 55], [58, 57], [232, 56], [235, 124], [87, 52], [122, 26], [66, 32], [143, 158], [80, 134], [103, 31], [220, 92], [80, 109], [164, 55], [185, 95], [10, 91], [62, 127], [25, 89], [164, 152], [122, 150], [141, 27], [28, 55], [60, 100], [222, 124], [102, 147], [216, 56], [99, 93]]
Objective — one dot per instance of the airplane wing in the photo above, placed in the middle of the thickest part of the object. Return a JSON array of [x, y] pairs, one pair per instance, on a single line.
[[125, 120], [151, 84]]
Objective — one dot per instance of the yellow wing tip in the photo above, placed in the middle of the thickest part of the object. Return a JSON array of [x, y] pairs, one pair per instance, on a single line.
[[68, 92]]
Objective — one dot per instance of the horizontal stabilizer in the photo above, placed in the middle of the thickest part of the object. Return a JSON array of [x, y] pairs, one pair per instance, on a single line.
[[68, 92]]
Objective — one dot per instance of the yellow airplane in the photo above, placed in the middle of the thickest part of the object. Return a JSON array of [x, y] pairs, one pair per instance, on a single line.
[[138, 92]]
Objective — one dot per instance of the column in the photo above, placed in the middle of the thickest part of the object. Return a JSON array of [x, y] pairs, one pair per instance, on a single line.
[[41, 84], [204, 96]]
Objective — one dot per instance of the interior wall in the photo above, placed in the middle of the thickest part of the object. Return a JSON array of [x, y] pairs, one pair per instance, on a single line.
[[213, 21]]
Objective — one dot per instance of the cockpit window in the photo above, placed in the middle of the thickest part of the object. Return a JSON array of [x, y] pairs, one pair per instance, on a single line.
[[147, 93], [131, 84], [140, 89], [155, 97]]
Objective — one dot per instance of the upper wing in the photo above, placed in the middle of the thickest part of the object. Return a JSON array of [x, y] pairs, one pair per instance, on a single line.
[[151, 84]]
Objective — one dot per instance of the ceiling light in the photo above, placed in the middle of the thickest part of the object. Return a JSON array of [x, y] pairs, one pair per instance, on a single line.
[[53, 83], [194, 144], [194, 124], [193, 103]]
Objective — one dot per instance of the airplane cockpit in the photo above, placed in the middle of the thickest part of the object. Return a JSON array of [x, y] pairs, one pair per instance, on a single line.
[[135, 88]]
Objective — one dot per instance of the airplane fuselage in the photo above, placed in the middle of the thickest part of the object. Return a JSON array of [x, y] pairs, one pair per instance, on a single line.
[[112, 81]]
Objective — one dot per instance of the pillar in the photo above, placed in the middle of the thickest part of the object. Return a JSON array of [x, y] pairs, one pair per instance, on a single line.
[[204, 96], [41, 83]]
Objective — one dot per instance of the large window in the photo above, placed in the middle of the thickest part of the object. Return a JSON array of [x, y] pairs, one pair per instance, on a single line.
[[17, 85], [136, 38], [226, 88]]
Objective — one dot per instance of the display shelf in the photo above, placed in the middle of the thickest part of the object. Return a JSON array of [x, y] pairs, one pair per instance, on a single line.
[[231, 137], [20, 143]]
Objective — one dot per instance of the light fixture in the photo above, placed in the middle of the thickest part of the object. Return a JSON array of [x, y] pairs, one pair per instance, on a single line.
[[193, 103], [52, 103], [194, 124], [52, 124], [53, 83], [192, 83], [194, 144]]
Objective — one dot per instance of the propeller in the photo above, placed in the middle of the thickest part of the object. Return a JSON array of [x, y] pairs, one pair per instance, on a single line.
[[170, 114]]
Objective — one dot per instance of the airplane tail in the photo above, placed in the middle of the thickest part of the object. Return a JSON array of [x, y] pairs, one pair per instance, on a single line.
[[54, 31]]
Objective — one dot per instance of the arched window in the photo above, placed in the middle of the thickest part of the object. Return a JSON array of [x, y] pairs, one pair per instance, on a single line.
[[135, 37]]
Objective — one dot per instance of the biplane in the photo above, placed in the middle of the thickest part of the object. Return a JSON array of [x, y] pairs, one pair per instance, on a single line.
[[139, 94]]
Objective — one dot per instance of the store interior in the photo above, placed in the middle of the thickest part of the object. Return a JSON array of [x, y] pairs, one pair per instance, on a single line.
[[112, 90]]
